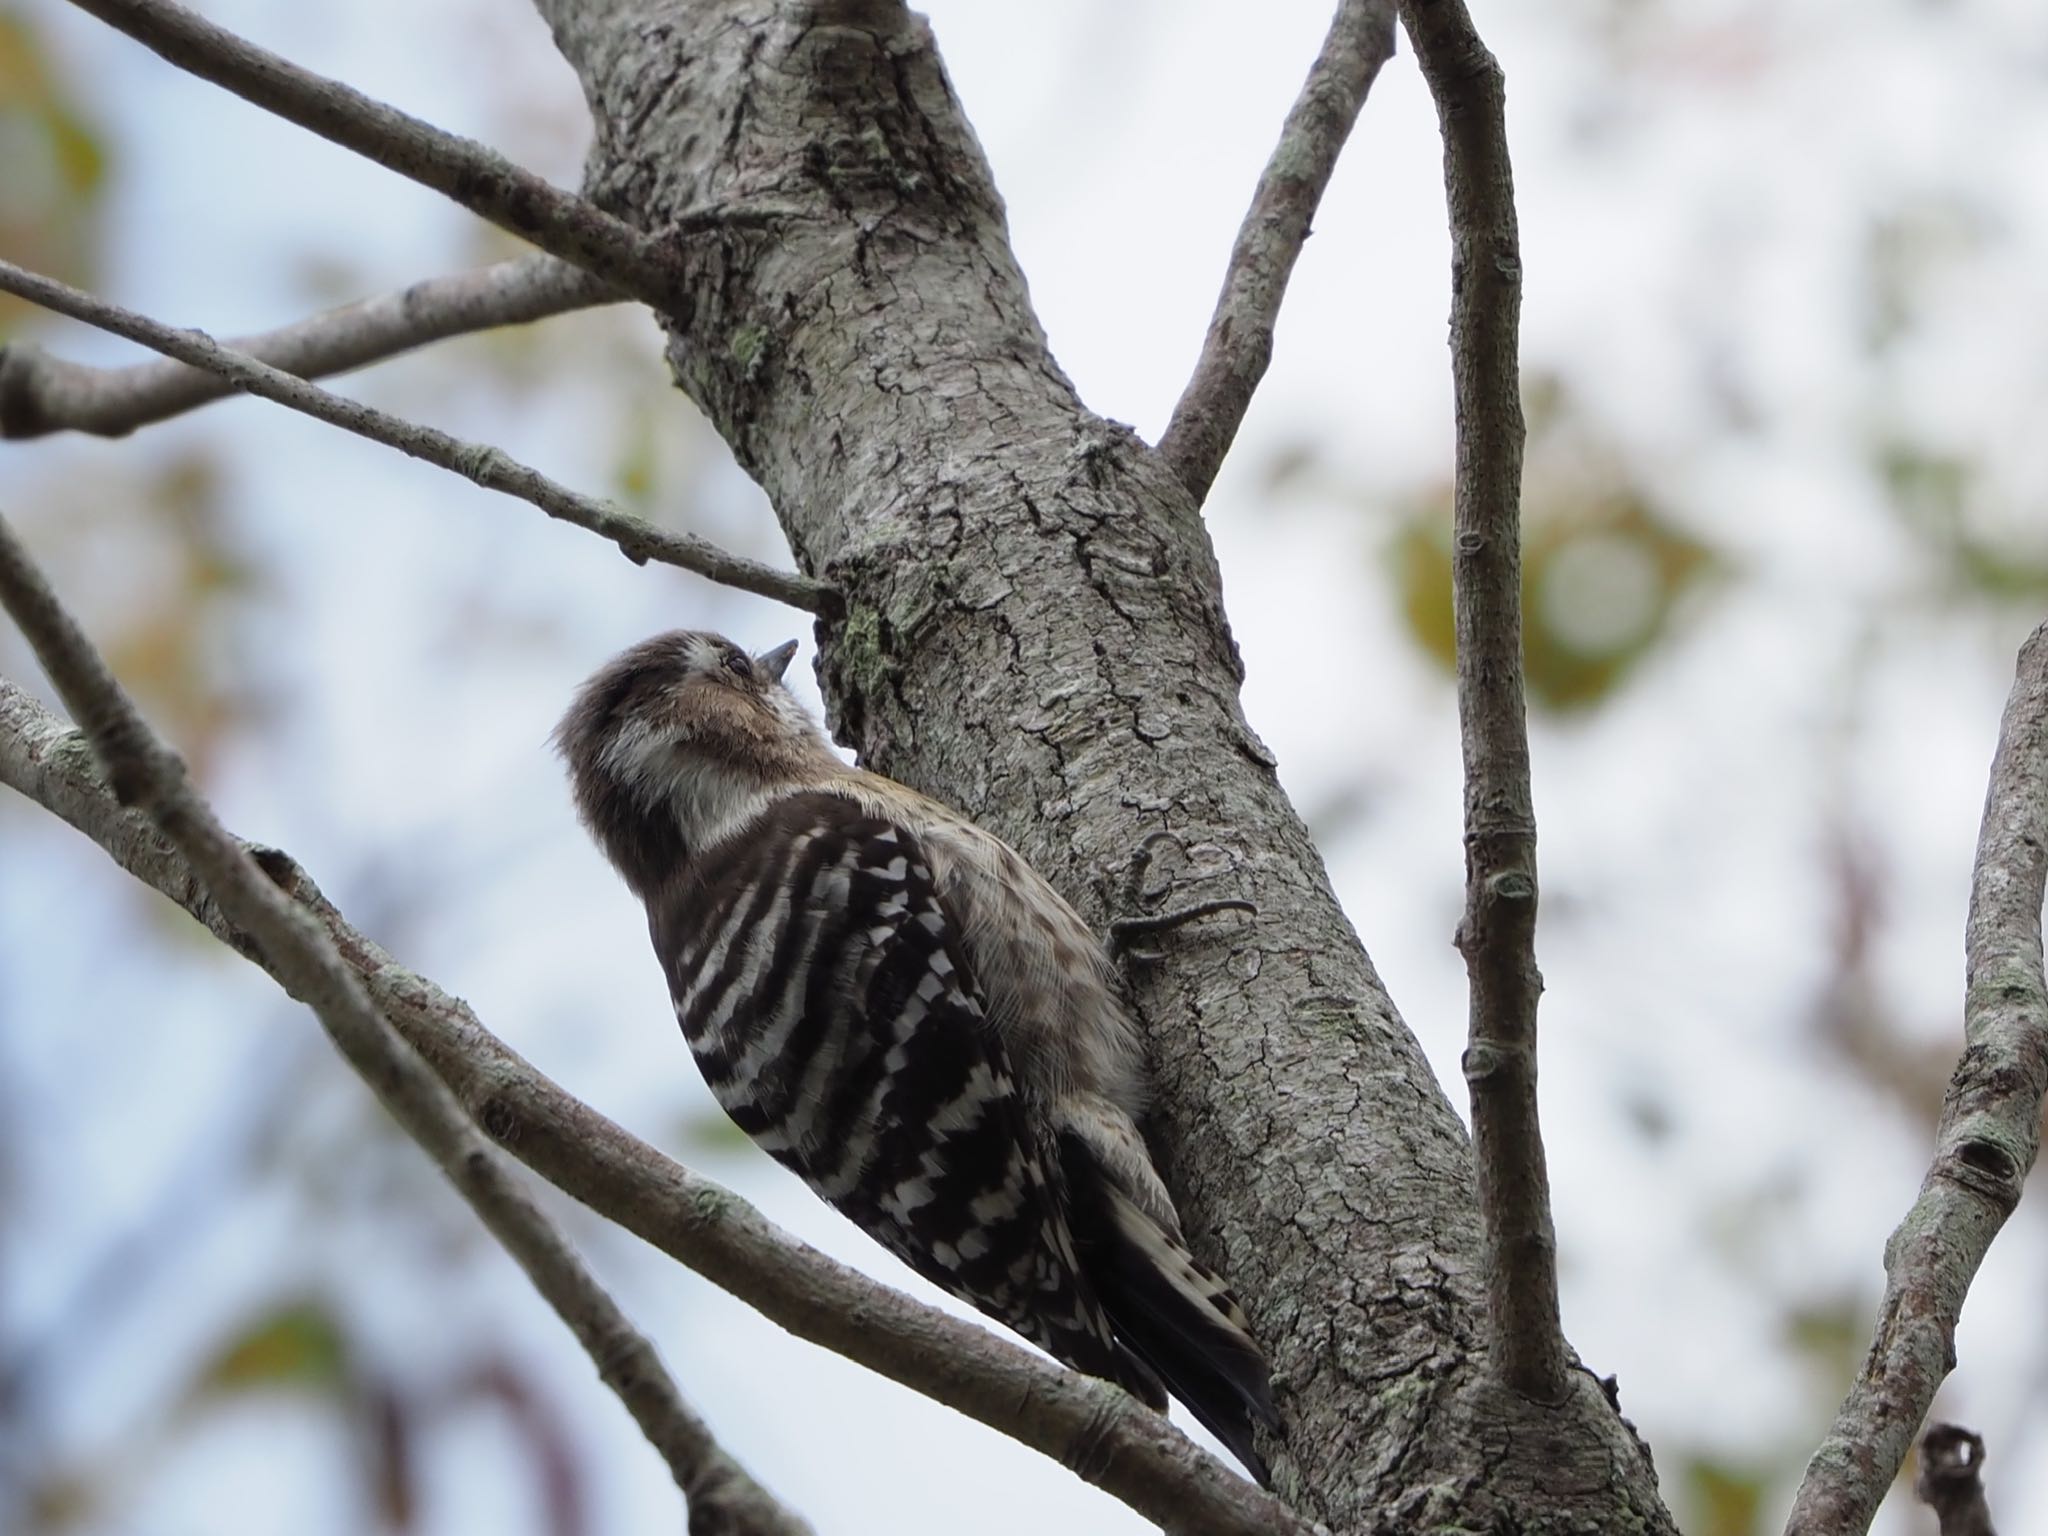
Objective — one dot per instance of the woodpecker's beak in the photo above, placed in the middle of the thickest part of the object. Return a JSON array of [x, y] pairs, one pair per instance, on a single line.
[[776, 662]]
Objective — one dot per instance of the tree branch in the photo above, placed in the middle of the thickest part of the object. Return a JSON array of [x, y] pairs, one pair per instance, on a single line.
[[1497, 932], [1239, 344], [1989, 1136], [481, 180], [1950, 1481], [480, 463], [1035, 632], [146, 774], [1088, 1426], [41, 394]]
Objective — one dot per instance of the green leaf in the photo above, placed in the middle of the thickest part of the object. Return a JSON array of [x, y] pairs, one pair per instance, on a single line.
[[1604, 568], [1601, 581], [1722, 1498], [56, 169], [300, 1345], [1832, 1334], [636, 472], [1943, 501], [712, 1131]]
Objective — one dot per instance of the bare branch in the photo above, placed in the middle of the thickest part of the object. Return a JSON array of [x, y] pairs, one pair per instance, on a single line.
[[1989, 1136], [480, 463], [1497, 933], [481, 180], [1950, 1481], [40, 394], [1240, 340], [295, 948], [1096, 1430]]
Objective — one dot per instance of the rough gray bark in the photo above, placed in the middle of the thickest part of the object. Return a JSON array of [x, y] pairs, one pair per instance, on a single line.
[[1034, 631]]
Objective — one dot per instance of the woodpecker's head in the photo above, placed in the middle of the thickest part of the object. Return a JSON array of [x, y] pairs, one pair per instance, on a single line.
[[671, 741]]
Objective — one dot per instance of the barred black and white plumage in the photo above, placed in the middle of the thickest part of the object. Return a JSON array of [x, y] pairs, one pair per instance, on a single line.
[[896, 1007]]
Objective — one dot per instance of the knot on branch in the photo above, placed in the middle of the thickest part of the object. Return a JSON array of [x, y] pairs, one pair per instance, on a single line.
[[1986, 1167], [499, 1119], [279, 867], [1511, 886], [1486, 1059]]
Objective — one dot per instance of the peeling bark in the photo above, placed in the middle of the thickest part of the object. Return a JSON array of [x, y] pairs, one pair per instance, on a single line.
[[1034, 631]]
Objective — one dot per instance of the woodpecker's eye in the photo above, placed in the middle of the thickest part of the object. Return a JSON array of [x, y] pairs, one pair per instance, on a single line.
[[737, 664]]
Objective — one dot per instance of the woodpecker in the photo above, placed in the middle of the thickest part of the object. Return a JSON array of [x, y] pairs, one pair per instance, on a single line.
[[901, 1011]]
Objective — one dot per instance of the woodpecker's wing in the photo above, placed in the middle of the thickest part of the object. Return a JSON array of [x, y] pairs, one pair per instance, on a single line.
[[822, 987]]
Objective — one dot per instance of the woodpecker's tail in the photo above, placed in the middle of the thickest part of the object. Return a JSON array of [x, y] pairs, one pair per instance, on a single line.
[[1172, 1312]]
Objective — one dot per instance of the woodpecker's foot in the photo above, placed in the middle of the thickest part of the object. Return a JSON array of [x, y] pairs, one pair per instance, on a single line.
[[1124, 930], [1141, 863]]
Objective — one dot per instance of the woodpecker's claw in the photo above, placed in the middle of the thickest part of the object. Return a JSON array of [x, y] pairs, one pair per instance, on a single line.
[[1125, 929]]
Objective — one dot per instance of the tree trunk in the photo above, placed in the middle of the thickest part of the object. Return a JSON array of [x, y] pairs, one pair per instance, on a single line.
[[1034, 631]]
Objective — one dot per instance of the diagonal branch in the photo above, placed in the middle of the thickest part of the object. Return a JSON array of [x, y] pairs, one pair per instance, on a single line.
[[1240, 340], [1497, 933], [1088, 1426], [147, 775], [486, 466], [480, 179], [1989, 1136], [40, 394]]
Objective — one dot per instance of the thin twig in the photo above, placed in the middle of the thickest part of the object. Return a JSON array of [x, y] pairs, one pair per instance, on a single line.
[[1142, 1460], [1989, 1136], [147, 775], [1240, 340], [1951, 1480], [1497, 933], [480, 463], [40, 394], [480, 179]]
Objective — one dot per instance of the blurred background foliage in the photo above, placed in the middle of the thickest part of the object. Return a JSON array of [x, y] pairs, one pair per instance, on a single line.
[[52, 204], [1784, 489], [1604, 571]]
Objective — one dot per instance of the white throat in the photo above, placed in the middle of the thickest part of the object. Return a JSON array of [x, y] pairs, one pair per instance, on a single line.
[[710, 800]]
